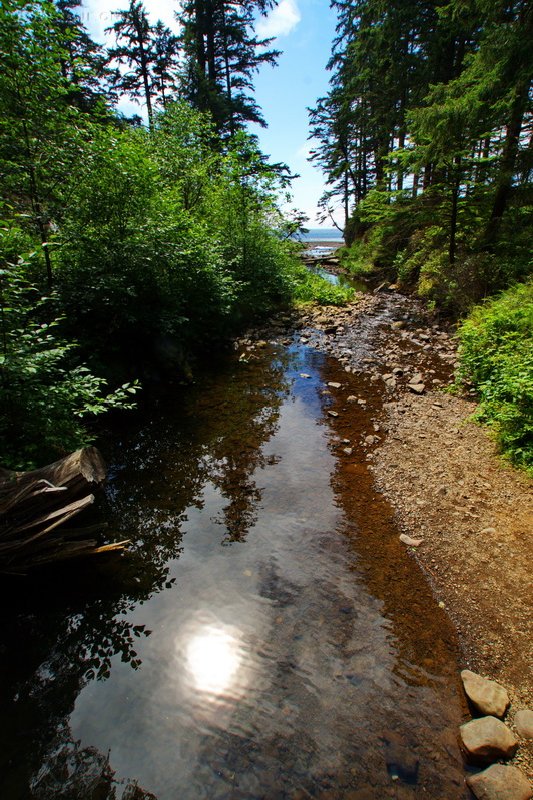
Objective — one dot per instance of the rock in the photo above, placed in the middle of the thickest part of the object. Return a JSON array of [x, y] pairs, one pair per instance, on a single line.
[[332, 413], [487, 739], [409, 541], [396, 326], [417, 378], [351, 399], [416, 388], [487, 697], [500, 782], [303, 339], [334, 385], [488, 532], [401, 762], [398, 372], [523, 723], [371, 439], [347, 450], [304, 375]]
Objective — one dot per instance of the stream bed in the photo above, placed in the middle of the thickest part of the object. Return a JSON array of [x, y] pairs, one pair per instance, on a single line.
[[269, 637]]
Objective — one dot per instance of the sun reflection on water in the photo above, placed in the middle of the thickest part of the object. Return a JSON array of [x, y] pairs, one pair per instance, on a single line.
[[213, 658]]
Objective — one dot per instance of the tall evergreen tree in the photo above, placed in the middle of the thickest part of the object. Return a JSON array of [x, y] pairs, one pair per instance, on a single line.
[[222, 53]]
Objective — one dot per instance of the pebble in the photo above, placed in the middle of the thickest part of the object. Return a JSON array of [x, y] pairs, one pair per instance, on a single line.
[[332, 413], [409, 541]]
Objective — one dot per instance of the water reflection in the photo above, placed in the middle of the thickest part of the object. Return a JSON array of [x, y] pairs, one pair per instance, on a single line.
[[213, 659], [273, 669]]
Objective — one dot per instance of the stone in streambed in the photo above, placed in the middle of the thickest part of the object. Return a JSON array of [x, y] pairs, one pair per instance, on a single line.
[[334, 385], [401, 762], [487, 739], [416, 388], [487, 697], [409, 541], [500, 782], [523, 723]]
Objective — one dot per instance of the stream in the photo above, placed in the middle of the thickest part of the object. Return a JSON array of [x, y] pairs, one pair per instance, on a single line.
[[269, 637]]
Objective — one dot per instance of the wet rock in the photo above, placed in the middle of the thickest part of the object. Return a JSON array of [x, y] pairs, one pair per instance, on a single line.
[[500, 782], [347, 450], [332, 413], [334, 385], [416, 388], [351, 399], [401, 762], [303, 339], [370, 439], [523, 723], [487, 697], [487, 739], [397, 325], [409, 541], [398, 372], [304, 375]]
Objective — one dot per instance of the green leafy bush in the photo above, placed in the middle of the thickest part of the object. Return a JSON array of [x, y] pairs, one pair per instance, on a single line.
[[496, 358], [307, 287], [46, 394]]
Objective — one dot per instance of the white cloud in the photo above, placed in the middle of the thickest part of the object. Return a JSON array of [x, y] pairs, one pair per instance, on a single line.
[[304, 151], [281, 21], [97, 15]]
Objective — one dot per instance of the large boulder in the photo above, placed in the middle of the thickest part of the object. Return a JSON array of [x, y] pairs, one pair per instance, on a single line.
[[500, 782], [487, 697], [487, 739]]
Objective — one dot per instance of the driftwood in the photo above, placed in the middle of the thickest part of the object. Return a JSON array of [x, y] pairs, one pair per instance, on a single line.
[[34, 507]]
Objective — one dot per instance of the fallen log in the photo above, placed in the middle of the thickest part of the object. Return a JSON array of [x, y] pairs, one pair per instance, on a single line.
[[35, 505]]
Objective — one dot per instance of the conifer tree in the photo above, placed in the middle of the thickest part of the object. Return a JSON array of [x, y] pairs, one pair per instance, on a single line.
[[222, 53]]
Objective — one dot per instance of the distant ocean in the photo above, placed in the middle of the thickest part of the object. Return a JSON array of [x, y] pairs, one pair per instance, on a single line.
[[323, 235]]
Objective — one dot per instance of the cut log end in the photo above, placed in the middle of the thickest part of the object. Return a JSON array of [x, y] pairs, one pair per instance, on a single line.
[[35, 505]]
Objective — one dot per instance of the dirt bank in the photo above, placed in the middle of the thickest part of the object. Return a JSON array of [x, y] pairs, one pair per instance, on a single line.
[[448, 486]]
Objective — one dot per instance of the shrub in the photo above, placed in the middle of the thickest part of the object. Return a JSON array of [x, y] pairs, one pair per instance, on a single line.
[[496, 358]]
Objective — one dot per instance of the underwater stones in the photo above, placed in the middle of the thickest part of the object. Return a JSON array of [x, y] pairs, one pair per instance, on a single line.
[[401, 763], [523, 723], [500, 782], [487, 697], [487, 739]]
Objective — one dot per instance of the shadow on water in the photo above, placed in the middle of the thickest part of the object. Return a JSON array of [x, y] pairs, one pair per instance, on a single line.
[[267, 638]]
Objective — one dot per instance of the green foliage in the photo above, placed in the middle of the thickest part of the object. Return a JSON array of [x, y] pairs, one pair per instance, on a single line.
[[308, 287], [496, 358], [46, 395]]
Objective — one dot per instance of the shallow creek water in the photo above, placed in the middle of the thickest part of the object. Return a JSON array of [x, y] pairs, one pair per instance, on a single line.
[[268, 638]]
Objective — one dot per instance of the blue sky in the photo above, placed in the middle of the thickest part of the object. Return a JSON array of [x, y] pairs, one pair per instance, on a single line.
[[304, 30]]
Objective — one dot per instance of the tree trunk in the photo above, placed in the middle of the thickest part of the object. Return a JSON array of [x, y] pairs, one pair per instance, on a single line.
[[508, 162]]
